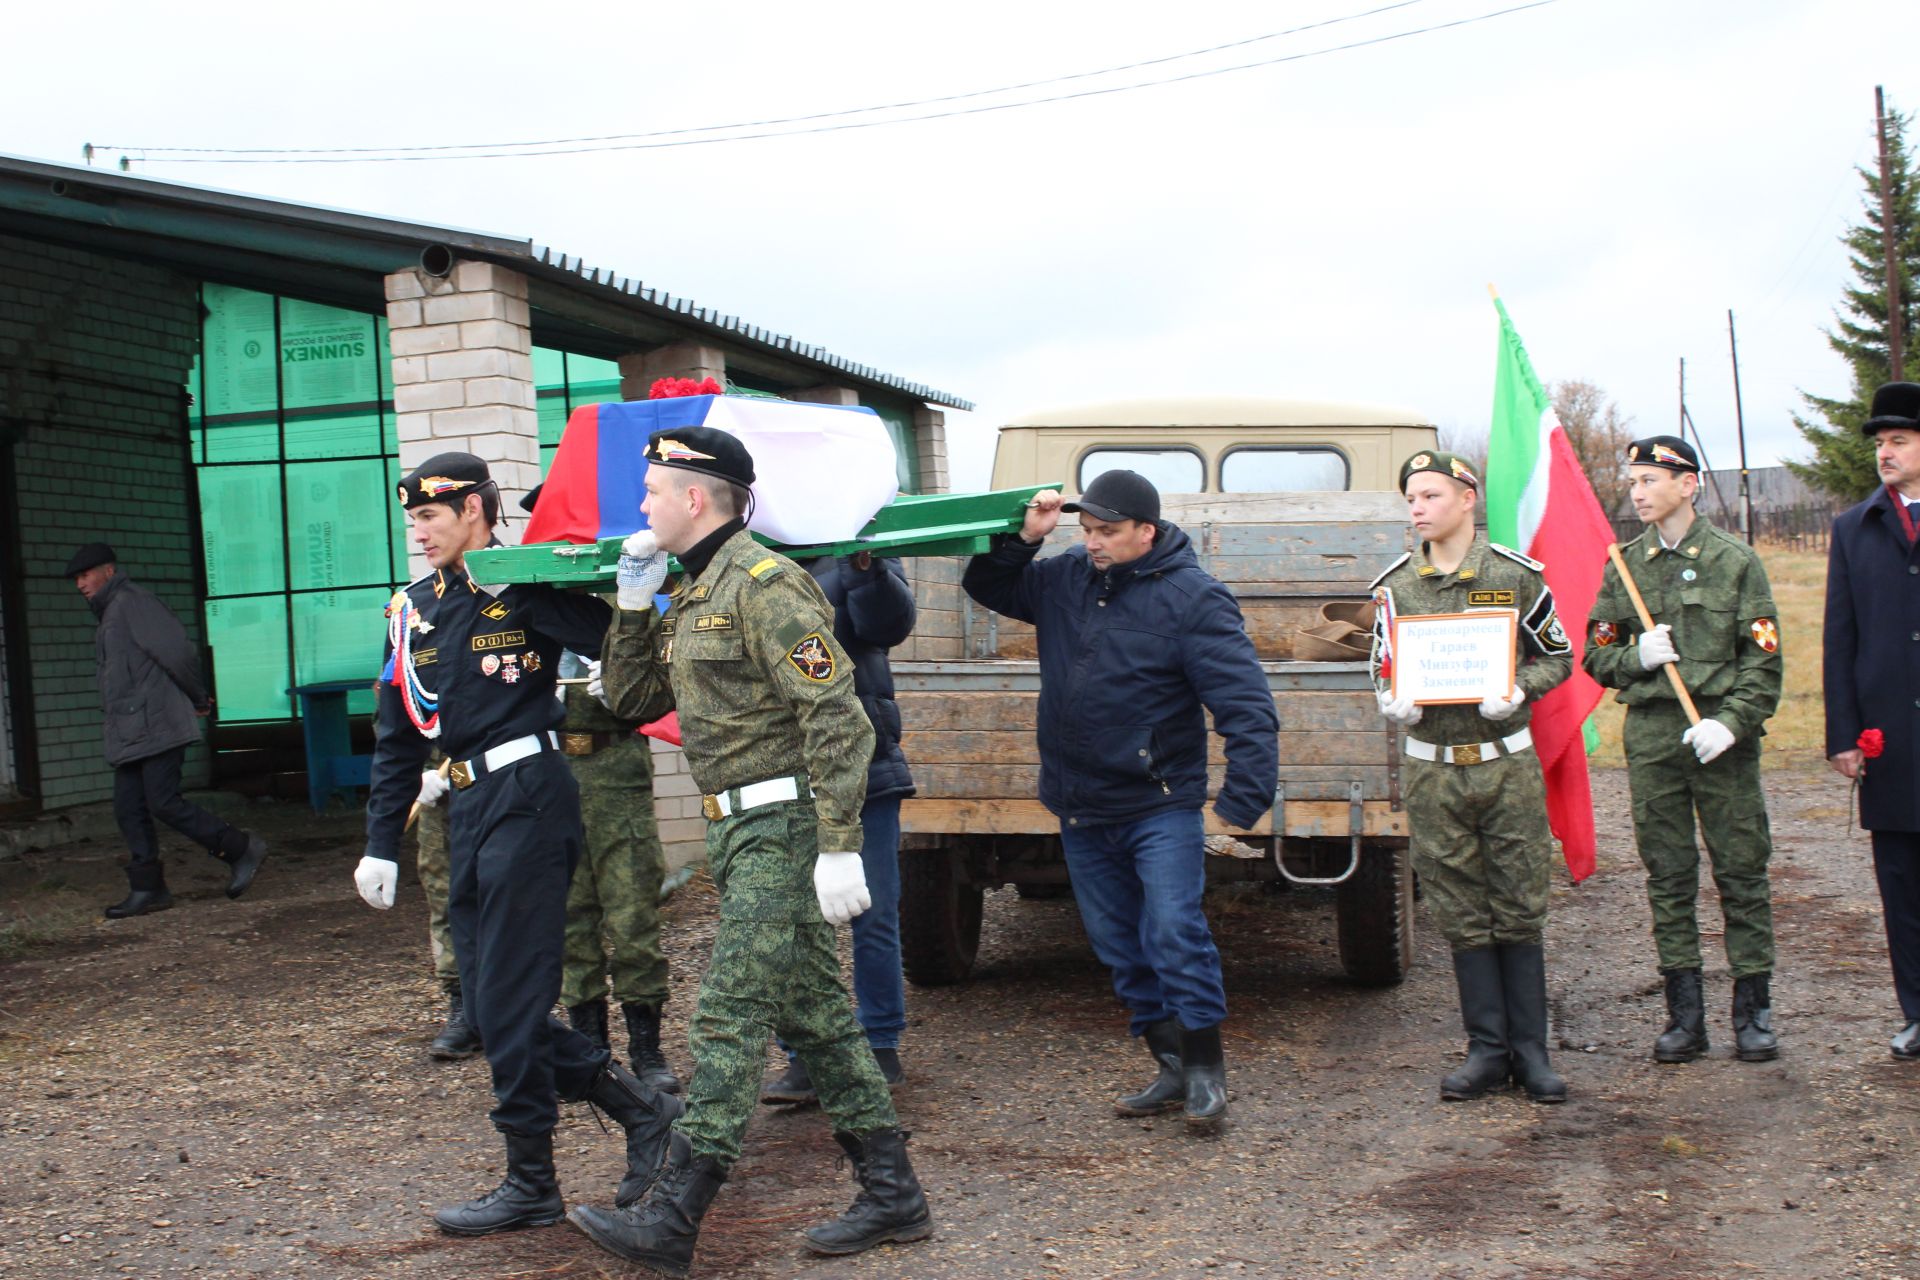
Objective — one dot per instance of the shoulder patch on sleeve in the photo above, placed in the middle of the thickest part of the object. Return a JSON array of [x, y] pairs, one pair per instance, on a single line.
[[1543, 624], [766, 571], [1404, 557], [812, 657], [1517, 557]]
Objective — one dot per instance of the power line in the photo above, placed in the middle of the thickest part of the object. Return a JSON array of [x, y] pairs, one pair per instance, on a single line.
[[594, 146], [782, 120]]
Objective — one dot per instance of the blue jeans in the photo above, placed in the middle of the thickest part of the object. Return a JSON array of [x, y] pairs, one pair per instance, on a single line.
[[1139, 886], [879, 990]]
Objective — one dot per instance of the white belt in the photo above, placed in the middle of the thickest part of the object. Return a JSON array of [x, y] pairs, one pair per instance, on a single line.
[[496, 758], [1470, 752], [752, 796]]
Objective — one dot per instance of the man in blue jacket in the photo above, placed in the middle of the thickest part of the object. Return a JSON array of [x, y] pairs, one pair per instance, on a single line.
[[1873, 680], [1135, 641]]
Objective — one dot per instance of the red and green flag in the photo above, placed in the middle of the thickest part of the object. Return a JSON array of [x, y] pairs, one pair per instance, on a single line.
[[1539, 502]]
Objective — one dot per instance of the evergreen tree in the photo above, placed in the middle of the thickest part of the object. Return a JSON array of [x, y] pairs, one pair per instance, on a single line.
[[1842, 462]]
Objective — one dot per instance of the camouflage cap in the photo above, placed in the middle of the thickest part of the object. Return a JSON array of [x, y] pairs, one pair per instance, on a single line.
[[1451, 465], [445, 477]]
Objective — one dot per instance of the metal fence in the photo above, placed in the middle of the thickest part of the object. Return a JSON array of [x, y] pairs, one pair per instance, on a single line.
[[1801, 528]]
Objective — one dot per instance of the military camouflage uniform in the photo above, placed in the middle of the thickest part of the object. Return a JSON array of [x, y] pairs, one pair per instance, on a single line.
[[1480, 837], [1712, 590], [615, 897], [748, 657], [431, 833]]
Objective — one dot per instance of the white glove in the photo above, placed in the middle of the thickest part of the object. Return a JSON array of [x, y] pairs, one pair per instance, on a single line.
[[596, 687], [1656, 647], [376, 878], [1494, 707], [642, 572], [433, 788], [1708, 739], [1401, 710], [840, 882]]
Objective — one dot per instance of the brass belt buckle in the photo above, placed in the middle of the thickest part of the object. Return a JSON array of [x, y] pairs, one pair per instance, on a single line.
[[460, 773], [710, 805], [577, 744], [1469, 754]]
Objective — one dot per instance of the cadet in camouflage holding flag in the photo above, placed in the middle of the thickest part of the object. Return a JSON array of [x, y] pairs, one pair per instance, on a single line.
[[1476, 802], [777, 739], [1713, 616]]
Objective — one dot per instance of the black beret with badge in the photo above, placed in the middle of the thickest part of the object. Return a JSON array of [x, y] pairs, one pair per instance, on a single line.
[[1451, 465], [445, 477], [707, 450], [1896, 407], [1670, 452]]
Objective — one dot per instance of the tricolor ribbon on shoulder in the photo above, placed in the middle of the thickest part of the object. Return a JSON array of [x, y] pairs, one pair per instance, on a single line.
[[422, 704]]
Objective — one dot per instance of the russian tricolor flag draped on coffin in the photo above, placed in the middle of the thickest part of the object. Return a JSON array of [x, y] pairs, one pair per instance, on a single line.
[[822, 471]]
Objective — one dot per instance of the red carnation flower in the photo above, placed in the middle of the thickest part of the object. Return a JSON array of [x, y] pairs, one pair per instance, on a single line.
[[1872, 744], [668, 388]]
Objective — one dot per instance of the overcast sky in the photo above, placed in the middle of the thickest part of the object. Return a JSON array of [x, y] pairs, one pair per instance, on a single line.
[[1625, 171]]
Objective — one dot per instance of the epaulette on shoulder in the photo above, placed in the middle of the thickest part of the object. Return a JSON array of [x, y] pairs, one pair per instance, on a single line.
[[1518, 557], [1404, 557], [767, 569]]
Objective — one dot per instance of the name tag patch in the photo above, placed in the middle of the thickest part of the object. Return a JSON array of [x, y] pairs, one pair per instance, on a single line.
[[500, 640], [425, 657], [713, 622], [1490, 597]]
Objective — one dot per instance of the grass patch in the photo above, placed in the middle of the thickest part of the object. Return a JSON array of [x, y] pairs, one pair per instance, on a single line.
[[48, 914], [1799, 581]]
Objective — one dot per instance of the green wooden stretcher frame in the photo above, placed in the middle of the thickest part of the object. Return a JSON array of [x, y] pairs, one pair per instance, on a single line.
[[933, 524]]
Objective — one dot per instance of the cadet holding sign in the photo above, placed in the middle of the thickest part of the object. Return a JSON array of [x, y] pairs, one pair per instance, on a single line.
[[1465, 637]]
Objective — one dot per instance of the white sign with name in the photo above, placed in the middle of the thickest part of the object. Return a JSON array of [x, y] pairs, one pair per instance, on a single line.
[[1454, 657]]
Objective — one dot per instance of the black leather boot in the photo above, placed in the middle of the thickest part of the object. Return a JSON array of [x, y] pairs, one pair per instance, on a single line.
[[646, 1114], [1169, 1088], [643, 1049], [1686, 1035], [243, 861], [661, 1230], [1204, 1065], [146, 891], [1753, 1037], [1483, 1011], [529, 1196], [792, 1088], [457, 1039], [888, 1060], [890, 1206], [1523, 979], [590, 1020]]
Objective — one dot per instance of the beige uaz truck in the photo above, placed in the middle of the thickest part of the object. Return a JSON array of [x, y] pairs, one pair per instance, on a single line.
[[1294, 505]]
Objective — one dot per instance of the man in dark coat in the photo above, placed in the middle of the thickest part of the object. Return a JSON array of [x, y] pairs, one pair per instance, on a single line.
[[153, 696], [1136, 644], [1873, 678], [872, 612]]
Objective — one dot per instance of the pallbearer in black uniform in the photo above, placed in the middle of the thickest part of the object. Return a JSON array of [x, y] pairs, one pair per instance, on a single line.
[[473, 666]]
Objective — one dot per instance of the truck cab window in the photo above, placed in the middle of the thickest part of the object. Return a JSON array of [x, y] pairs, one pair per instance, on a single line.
[[1169, 470], [1256, 470]]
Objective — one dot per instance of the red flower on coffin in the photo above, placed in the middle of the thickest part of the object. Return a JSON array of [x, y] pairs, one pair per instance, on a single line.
[[668, 388]]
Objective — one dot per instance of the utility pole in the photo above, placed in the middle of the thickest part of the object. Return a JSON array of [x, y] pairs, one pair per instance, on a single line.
[[1740, 424], [1895, 339]]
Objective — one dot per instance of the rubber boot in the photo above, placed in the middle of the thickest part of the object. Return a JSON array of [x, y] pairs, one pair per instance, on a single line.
[[1753, 1037], [1204, 1066], [792, 1088], [1169, 1088], [1483, 1012], [646, 1114], [890, 1207], [529, 1196], [661, 1230], [643, 1048], [243, 860], [1686, 1035], [590, 1020], [1523, 978], [146, 891], [888, 1060], [457, 1039]]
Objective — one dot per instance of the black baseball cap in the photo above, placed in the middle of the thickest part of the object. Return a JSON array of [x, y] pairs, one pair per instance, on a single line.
[[1119, 495], [708, 450], [91, 556]]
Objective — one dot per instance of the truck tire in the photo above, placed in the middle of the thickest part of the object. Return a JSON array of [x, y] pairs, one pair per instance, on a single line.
[[1374, 911], [939, 917]]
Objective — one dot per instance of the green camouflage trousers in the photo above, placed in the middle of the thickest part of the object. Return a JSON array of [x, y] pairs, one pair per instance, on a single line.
[[431, 831], [773, 971], [614, 903], [1482, 848], [1669, 787]]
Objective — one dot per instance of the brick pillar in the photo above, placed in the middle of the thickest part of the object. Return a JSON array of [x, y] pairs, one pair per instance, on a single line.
[[463, 372], [930, 439], [639, 370]]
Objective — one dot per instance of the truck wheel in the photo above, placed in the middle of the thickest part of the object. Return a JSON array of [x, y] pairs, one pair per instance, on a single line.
[[939, 917], [1374, 909]]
